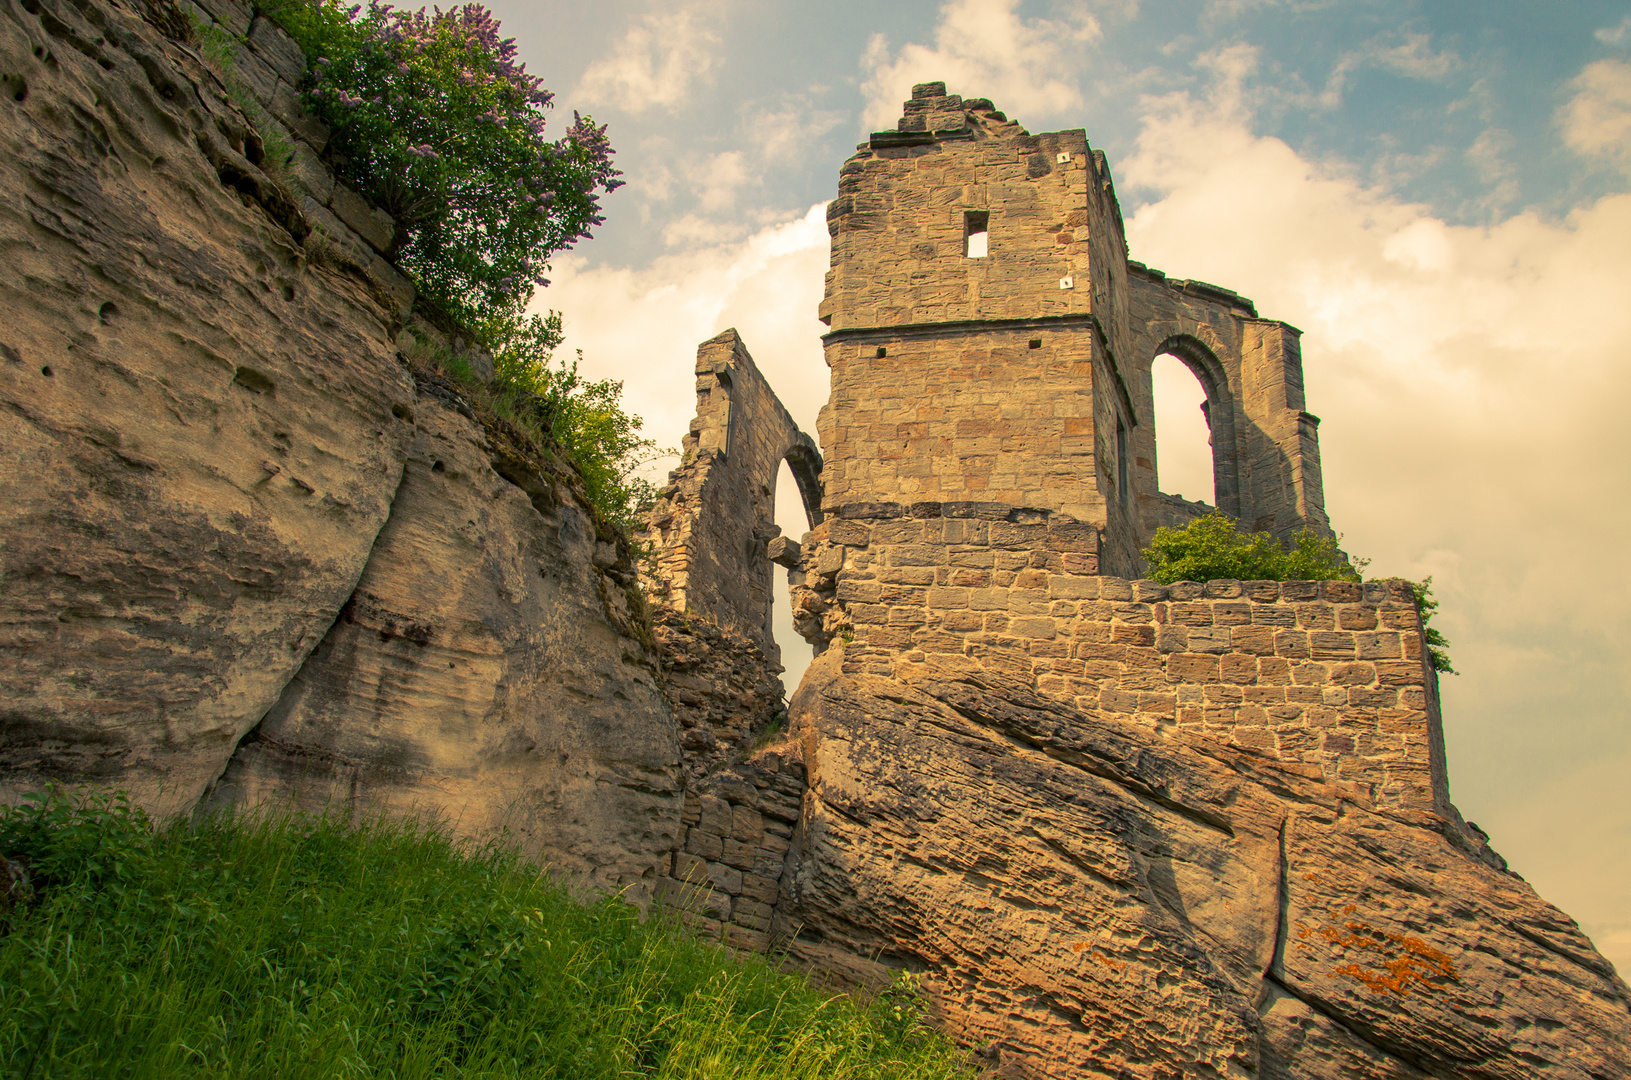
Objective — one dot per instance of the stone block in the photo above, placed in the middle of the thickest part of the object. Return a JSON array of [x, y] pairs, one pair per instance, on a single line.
[[715, 815], [1356, 674], [1066, 587], [1224, 589], [762, 889], [1190, 614], [738, 855], [1171, 639], [1378, 645], [1341, 592], [370, 222], [1194, 668], [747, 939], [1114, 588], [1331, 644], [1299, 591], [915, 555], [1210, 639], [1240, 669], [1133, 635], [747, 825], [849, 533], [1031, 627], [1255, 640], [1291, 643], [1122, 701], [704, 845], [1363, 617]]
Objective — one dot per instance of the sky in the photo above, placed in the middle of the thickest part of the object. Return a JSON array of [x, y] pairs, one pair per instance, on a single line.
[[1437, 194]]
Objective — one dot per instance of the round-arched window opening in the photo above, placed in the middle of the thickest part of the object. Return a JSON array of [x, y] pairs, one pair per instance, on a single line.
[[794, 522], [1183, 438]]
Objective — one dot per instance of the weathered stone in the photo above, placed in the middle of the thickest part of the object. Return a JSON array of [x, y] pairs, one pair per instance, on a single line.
[[202, 434], [367, 220]]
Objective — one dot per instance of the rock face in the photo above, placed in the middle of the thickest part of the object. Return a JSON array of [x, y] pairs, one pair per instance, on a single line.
[[230, 506], [486, 669], [1089, 898], [202, 432]]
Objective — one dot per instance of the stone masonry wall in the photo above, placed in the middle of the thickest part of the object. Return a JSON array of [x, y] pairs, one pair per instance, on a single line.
[[714, 521], [722, 688], [1265, 446], [733, 871], [1326, 677], [993, 377]]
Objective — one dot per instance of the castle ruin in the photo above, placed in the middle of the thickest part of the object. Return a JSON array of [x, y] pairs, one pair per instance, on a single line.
[[990, 468]]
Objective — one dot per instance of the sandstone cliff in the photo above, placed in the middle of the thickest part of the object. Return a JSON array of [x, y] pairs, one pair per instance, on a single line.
[[229, 508]]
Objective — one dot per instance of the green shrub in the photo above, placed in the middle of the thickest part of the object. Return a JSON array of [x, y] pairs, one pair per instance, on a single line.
[[291, 948], [1212, 547], [584, 417], [434, 119]]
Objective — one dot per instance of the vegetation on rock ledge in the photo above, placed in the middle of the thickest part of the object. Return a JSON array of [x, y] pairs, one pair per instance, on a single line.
[[289, 947]]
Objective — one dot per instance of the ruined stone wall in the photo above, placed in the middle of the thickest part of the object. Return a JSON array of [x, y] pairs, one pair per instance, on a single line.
[[1330, 675], [713, 522], [1265, 447], [723, 689], [730, 880]]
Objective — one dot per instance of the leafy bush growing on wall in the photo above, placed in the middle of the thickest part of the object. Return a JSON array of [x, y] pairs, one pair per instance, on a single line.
[[1213, 547], [434, 119]]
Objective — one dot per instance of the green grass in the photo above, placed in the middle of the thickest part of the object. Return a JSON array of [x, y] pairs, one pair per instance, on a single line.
[[287, 947]]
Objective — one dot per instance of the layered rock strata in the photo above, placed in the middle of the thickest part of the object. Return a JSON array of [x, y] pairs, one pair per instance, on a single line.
[[249, 548], [1089, 897], [203, 431]]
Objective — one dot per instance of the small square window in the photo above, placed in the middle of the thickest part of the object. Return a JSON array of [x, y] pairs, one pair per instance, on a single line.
[[975, 234]]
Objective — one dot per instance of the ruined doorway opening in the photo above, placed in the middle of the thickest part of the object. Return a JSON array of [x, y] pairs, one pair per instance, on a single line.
[[794, 522], [1183, 436]]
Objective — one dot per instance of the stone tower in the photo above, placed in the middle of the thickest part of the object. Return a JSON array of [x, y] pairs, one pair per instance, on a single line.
[[991, 344]]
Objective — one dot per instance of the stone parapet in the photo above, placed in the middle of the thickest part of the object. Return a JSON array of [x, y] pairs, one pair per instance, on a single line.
[[1328, 676]]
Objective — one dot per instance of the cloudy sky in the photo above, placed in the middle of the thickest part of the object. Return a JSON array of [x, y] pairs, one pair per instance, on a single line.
[[1438, 194]]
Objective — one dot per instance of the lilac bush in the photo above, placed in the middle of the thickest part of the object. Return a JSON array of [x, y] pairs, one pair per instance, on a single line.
[[435, 120]]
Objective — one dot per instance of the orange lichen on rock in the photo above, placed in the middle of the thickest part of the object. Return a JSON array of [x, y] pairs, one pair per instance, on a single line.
[[1401, 959]]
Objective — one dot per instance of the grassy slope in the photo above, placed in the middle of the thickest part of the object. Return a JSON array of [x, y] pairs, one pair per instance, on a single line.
[[292, 948]]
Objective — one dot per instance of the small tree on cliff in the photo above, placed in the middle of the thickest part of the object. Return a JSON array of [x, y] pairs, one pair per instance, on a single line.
[[434, 119]]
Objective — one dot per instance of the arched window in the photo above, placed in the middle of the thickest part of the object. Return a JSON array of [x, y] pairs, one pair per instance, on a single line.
[[794, 522], [1183, 435]]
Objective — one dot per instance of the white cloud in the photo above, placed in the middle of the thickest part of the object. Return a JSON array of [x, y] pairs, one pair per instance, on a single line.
[[1412, 57], [1471, 381], [643, 324], [1597, 120], [1616, 35], [656, 63], [983, 48]]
